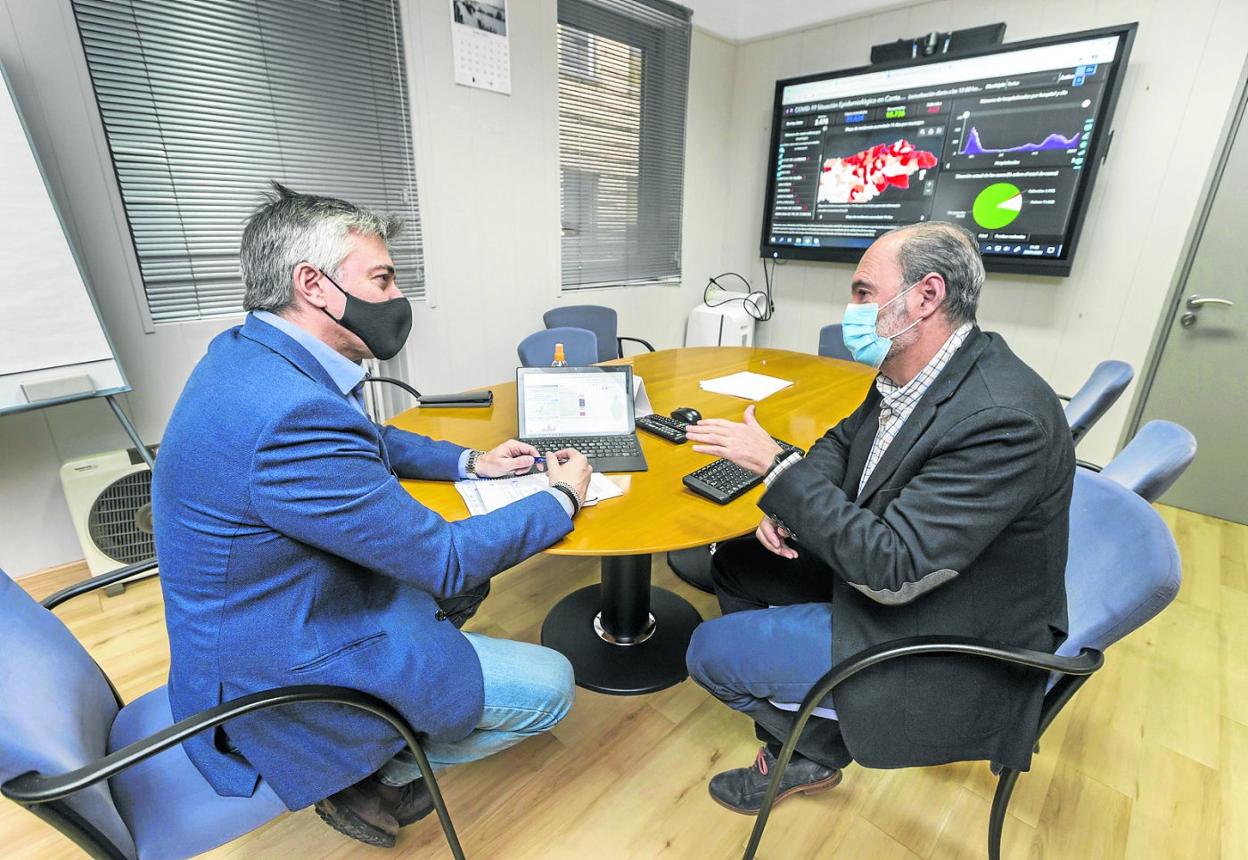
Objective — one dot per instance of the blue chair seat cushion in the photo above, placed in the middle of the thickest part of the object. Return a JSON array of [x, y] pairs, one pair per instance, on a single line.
[[171, 809], [55, 708]]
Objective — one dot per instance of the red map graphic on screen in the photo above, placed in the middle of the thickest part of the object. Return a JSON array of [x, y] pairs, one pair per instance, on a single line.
[[865, 175]]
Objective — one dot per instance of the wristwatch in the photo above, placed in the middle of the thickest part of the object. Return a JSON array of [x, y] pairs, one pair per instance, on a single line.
[[471, 466], [777, 460]]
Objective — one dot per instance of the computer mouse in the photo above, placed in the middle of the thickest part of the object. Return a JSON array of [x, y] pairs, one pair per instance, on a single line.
[[687, 414]]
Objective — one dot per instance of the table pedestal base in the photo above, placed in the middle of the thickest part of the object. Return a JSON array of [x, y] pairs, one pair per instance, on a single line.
[[623, 637]]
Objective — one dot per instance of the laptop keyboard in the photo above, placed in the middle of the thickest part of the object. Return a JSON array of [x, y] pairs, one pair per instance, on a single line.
[[593, 447]]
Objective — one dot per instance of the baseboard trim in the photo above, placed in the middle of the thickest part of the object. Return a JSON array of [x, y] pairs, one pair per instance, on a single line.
[[50, 580]]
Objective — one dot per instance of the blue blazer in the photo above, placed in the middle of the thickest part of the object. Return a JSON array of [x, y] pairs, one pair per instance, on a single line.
[[290, 554]]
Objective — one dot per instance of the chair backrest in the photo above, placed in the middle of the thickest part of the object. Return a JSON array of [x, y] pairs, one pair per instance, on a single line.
[[56, 707], [1103, 388], [1123, 565], [1153, 460], [580, 347], [831, 344], [602, 321]]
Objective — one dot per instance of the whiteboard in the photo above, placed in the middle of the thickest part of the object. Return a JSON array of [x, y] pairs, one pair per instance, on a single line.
[[53, 347]]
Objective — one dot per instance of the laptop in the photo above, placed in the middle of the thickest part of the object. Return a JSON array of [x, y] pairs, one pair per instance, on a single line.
[[586, 408]]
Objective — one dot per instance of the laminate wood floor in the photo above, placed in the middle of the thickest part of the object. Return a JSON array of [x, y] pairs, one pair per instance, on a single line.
[[1145, 763]]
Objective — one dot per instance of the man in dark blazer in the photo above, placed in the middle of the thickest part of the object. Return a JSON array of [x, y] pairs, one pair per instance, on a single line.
[[940, 506], [290, 554]]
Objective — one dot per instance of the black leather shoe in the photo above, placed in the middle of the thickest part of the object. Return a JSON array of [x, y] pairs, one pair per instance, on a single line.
[[407, 804], [360, 812], [742, 789]]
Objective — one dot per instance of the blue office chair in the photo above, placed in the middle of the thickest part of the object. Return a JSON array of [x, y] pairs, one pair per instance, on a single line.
[[1122, 569], [113, 777], [831, 344], [1153, 460], [580, 347], [602, 321], [1102, 390]]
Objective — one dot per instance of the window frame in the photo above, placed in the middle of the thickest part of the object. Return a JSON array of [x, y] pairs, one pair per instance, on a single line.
[[647, 38], [412, 192]]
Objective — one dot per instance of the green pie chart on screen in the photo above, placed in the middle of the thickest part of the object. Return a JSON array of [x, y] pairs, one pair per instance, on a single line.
[[997, 205]]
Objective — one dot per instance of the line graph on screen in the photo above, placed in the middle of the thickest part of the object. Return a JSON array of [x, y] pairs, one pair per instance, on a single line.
[[974, 145]]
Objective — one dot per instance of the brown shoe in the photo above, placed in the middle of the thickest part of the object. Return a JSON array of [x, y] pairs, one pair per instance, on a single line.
[[409, 803], [361, 813]]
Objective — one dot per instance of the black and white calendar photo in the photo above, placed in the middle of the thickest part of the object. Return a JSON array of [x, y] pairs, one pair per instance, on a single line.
[[479, 38]]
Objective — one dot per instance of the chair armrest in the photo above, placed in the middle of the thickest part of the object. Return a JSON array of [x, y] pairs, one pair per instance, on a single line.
[[620, 343], [1091, 467], [1086, 663], [94, 582], [35, 788]]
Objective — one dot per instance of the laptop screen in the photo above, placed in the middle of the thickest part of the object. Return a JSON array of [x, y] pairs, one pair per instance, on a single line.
[[574, 401]]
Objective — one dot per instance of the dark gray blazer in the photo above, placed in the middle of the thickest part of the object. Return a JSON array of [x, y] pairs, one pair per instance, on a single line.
[[960, 530]]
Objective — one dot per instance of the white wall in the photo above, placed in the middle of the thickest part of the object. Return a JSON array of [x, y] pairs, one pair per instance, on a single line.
[[744, 20], [488, 176], [1179, 87]]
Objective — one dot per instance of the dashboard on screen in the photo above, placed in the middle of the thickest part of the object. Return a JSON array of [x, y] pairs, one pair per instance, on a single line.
[[1005, 142]]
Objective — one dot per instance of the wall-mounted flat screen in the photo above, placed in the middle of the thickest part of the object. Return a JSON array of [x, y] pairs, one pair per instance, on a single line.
[[1005, 142]]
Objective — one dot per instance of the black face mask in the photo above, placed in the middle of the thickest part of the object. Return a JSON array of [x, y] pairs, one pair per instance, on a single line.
[[383, 326]]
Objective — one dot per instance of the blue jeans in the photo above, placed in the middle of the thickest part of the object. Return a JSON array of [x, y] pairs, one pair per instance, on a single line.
[[773, 642], [528, 690], [789, 648]]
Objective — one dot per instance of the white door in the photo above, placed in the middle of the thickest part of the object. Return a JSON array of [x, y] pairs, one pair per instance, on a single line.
[[1201, 379]]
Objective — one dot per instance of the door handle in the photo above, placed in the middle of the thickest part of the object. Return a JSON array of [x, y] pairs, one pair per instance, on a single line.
[[1195, 302]]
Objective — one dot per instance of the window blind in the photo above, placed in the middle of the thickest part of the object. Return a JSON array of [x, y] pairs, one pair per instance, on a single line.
[[623, 89], [205, 101]]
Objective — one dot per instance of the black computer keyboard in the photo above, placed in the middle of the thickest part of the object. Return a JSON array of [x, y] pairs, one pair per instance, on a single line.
[[591, 446], [660, 425], [723, 480]]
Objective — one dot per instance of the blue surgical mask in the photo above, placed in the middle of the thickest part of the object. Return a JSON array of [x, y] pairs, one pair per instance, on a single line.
[[862, 339]]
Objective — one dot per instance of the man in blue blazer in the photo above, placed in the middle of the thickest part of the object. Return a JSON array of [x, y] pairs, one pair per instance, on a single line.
[[290, 554]]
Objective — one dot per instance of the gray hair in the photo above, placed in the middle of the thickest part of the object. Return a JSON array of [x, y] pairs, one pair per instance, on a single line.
[[950, 251], [289, 228]]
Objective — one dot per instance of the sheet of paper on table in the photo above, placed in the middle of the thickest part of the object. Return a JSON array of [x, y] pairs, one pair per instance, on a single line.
[[750, 386], [483, 496]]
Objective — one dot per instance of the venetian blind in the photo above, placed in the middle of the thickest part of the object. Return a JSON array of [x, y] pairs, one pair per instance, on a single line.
[[623, 88], [205, 101]]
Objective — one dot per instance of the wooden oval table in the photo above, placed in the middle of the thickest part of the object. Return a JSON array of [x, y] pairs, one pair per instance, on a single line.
[[624, 636]]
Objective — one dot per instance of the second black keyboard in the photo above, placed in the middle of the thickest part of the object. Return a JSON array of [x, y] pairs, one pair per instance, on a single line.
[[723, 480], [667, 428]]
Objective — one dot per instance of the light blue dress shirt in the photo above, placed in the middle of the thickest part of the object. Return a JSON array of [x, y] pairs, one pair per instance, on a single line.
[[345, 373]]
